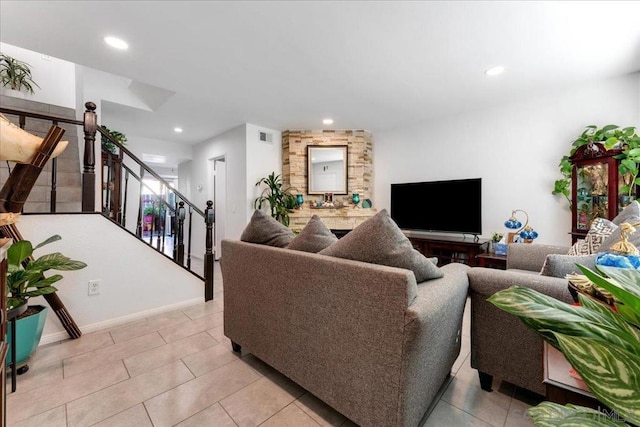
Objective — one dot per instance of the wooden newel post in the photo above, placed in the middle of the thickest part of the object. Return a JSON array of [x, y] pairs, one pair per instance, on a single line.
[[209, 219], [181, 216], [89, 167]]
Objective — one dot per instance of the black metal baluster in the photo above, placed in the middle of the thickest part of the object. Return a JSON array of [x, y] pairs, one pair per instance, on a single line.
[[209, 218], [108, 205], [153, 221], [181, 215], [126, 193], [140, 225], [54, 184], [163, 218], [189, 239]]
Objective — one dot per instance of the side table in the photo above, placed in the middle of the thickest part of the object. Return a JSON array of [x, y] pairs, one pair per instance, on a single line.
[[488, 260], [561, 387]]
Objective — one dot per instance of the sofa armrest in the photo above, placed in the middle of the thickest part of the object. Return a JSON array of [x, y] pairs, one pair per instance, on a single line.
[[432, 338], [531, 256], [501, 345]]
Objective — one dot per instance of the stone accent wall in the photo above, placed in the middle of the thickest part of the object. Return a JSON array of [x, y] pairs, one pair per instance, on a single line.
[[359, 171], [69, 185]]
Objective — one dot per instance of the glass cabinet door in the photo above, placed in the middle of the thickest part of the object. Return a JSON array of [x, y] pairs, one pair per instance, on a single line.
[[592, 194]]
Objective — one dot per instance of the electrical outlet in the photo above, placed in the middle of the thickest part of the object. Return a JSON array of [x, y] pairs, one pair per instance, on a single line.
[[94, 287]]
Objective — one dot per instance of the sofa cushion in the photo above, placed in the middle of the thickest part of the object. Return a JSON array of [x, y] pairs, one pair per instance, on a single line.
[[314, 237], [615, 237], [265, 230], [580, 247], [558, 265], [601, 228], [632, 210], [379, 240]]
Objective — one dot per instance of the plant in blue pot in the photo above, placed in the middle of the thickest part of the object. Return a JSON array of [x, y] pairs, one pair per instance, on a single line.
[[26, 279]]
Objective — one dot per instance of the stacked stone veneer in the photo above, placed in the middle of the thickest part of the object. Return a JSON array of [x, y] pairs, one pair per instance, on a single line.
[[69, 188], [359, 171]]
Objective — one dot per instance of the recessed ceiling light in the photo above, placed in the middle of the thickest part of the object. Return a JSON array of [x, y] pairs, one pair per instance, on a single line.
[[494, 71], [328, 121], [177, 130], [116, 43]]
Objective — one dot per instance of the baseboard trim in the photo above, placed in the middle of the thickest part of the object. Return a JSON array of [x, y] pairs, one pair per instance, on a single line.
[[86, 329]]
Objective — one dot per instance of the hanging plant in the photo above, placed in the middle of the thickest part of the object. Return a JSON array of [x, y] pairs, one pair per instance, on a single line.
[[612, 137], [16, 74]]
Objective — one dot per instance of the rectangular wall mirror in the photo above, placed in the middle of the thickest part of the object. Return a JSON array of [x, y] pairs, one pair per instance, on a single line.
[[327, 169]]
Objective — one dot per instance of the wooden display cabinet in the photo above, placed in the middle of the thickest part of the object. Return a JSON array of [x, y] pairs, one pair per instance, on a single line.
[[595, 187]]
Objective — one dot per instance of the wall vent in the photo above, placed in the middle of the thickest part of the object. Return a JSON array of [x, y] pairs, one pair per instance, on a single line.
[[265, 137]]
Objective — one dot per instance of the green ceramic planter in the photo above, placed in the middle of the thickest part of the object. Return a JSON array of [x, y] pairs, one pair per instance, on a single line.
[[28, 334]]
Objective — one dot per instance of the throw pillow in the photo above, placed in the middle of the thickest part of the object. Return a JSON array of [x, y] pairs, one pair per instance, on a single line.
[[379, 240], [265, 230], [314, 237], [634, 238], [557, 265], [627, 214], [600, 229], [580, 247]]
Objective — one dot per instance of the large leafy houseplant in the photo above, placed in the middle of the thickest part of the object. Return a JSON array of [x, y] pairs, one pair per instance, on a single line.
[[280, 199], [611, 136], [25, 275], [15, 74], [600, 342]]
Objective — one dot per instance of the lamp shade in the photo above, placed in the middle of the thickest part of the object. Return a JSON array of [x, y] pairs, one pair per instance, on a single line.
[[512, 223]]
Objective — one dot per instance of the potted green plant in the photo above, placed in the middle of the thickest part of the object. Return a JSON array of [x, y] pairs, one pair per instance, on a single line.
[[281, 200], [109, 146], [601, 343], [16, 75], [495, 238], [611, 136], [26, 279]]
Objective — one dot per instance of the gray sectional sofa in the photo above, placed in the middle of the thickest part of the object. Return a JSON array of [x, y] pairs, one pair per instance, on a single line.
[[364, 338]]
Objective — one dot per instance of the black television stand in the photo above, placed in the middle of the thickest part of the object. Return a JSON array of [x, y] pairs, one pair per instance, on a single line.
[[449, 248]]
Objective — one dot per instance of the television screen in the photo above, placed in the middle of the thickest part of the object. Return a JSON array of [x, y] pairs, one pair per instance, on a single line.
[[453, 206]]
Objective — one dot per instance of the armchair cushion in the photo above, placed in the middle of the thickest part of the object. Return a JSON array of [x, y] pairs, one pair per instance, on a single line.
[[557, 265]]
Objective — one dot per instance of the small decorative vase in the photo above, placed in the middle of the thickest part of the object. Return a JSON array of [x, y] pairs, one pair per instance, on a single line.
[[355, 198], [490, 247], [299, 200]]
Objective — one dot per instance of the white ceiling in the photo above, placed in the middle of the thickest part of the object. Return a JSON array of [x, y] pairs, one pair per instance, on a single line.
[[372, 65]]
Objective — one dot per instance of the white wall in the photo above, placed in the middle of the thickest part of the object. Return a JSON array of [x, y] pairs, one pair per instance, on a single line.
[[56, 78], [262, 159], [514, 148], [136, 281], [231, 145]]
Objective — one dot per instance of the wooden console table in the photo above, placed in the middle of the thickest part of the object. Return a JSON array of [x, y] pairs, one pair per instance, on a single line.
[[488, 260], [448, 248]]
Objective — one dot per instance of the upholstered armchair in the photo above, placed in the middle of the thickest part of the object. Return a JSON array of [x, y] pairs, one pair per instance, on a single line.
[[501, 345]]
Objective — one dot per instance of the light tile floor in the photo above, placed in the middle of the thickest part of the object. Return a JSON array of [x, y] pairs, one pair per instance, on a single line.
[[178, 369]]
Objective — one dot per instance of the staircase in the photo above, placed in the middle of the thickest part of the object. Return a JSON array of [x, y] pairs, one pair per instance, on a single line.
[[68, 180], [66, 186]]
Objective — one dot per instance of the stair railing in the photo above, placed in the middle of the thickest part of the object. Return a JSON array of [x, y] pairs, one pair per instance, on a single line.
[[121, 199]]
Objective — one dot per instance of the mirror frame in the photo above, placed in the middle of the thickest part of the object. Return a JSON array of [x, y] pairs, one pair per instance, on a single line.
[[310, 150]]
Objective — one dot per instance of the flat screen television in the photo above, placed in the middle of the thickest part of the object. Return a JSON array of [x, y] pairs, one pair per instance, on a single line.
[[452, 206]]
